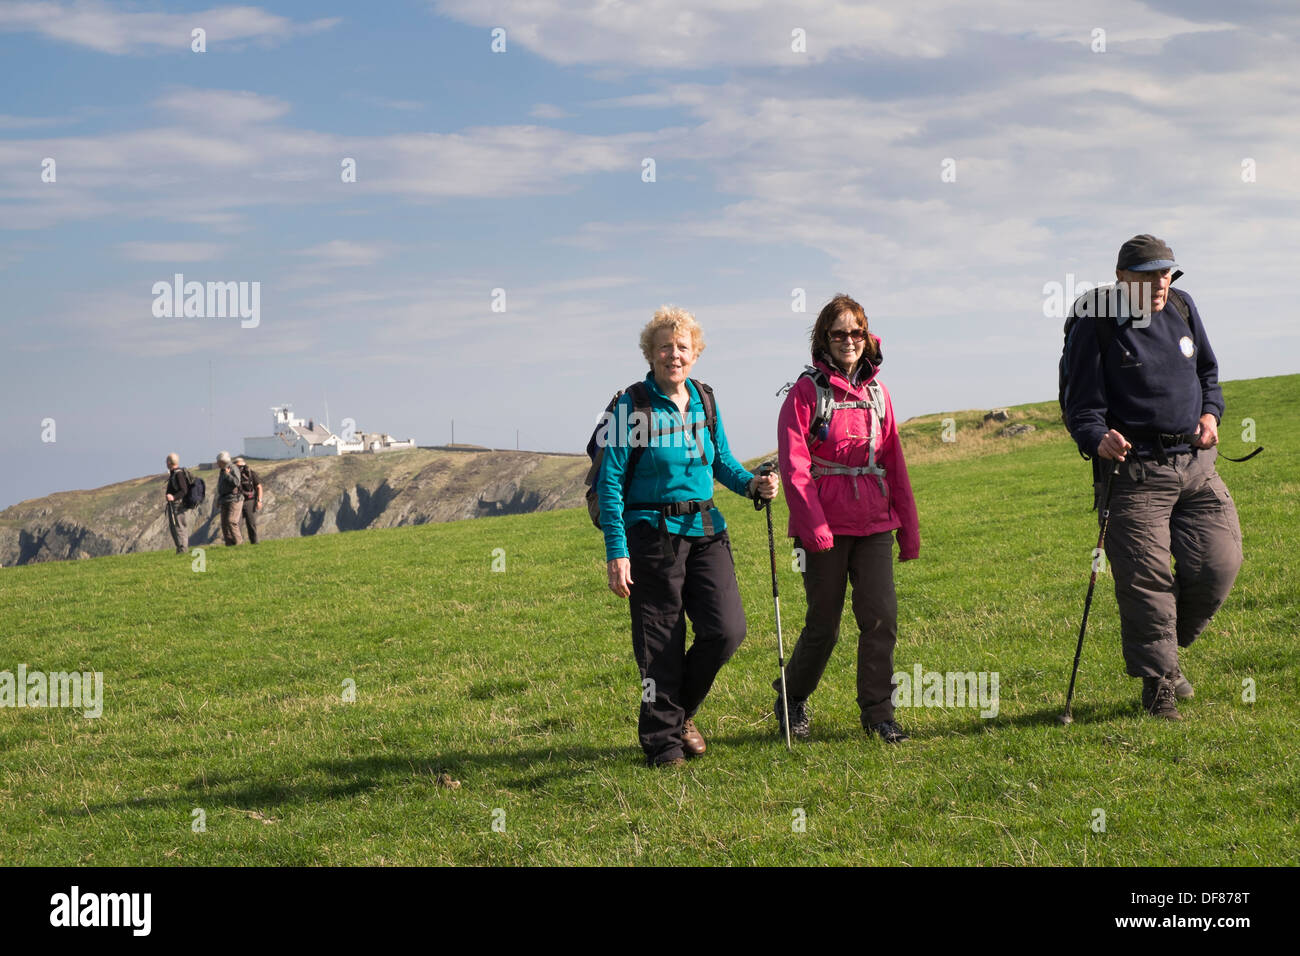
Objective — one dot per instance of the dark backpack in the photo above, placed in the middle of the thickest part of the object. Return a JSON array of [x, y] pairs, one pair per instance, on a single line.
[[247, 482], [1105, 325], [640, 404], [198, 491]]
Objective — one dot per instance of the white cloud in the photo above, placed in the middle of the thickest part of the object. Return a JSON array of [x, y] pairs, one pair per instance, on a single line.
[[1038, 160], [120, 320], [695, 35], [500, 160], [326, 261], [405, 106], [548, 111], [28, 122], [585, 284], [224, 153], [171, 251], [601, 236], [101, 26], [341, 253], [222, 107]]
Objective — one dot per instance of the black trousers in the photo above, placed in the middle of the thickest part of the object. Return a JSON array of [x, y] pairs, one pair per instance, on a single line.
[[696, 578], [869, 563], [250, 518]]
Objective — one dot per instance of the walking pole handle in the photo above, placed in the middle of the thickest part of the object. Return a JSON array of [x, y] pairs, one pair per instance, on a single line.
[[764, 470]]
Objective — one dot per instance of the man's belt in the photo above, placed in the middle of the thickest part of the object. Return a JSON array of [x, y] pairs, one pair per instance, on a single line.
[[1163, 439], [1159, 441]]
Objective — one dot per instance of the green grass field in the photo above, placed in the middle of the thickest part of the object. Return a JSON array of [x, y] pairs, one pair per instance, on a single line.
[[225, 694]]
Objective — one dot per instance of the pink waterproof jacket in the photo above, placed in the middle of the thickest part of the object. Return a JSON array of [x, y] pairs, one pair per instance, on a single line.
[[821, 507]]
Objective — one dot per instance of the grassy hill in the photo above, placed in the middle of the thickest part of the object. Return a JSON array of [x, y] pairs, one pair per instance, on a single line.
[[225, 694]]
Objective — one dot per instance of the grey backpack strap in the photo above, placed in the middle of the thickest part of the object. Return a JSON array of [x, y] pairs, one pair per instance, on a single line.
[[877, 401], [877, 406], [825, 406]]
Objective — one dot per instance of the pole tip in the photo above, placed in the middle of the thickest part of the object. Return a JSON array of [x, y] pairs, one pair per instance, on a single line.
[[1065, 719]]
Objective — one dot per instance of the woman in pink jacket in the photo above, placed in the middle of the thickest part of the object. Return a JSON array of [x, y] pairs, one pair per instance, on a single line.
[[842, 463]]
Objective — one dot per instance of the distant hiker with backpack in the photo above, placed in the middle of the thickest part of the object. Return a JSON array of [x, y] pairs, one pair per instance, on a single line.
[[655, 457], [848, 492], [250, 485], [230, 499], [178, 489], [1140, 386]]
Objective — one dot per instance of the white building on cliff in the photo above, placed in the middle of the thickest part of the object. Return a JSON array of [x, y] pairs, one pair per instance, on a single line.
[[298, 438]]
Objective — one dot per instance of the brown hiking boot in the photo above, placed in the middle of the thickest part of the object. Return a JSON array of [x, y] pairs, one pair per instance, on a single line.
[[1158, 698], [692, 739], [671, 762], [1182, 686]]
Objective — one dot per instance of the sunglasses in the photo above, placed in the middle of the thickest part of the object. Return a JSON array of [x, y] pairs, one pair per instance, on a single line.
[[839, 335]]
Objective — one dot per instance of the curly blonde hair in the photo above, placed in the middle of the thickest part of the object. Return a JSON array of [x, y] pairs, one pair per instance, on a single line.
[[678, 320]]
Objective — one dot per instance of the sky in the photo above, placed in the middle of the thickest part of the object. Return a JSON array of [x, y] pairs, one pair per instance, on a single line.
[[534, 178]]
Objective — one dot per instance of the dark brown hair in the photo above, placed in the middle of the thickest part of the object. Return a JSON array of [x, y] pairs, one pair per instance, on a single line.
[[821, 339]]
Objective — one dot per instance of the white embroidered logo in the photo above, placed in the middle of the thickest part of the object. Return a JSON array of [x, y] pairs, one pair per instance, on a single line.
[[1185, 343]]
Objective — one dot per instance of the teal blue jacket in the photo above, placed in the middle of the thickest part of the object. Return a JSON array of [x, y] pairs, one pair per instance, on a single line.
[[670, 469]]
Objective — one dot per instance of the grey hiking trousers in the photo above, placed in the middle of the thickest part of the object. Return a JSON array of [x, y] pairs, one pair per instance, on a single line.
[[177, 518], [1180, 510]]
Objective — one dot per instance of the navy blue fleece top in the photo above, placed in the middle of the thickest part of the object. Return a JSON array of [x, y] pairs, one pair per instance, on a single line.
[[1161, 378]]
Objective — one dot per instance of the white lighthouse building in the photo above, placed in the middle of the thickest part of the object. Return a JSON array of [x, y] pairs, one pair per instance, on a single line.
[[294, 437]]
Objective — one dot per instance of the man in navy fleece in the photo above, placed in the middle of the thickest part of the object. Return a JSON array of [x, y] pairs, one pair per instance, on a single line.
[[1144, 391]]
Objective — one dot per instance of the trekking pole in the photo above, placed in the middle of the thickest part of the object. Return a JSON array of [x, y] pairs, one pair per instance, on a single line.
[[763, 470], [1067, 717]]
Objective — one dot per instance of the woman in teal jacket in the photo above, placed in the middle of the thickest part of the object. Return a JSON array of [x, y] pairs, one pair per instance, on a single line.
[[666, 544]]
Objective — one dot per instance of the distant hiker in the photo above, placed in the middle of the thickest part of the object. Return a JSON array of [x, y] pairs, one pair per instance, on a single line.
[[230, 499], [666, 544], [1143, 390], [178, 487], [251, 487], [842, 461]]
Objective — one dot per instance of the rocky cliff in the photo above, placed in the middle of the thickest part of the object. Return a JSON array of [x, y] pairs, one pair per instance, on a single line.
[[300, 497]]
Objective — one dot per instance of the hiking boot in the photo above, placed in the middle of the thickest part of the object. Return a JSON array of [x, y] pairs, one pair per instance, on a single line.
[[1182, 686], [1158, 698], [800, 718], [692, 739], [671, 762], [889, 732]]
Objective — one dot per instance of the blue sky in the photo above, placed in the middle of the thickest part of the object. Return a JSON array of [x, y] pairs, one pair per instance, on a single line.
[[776, 169]]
